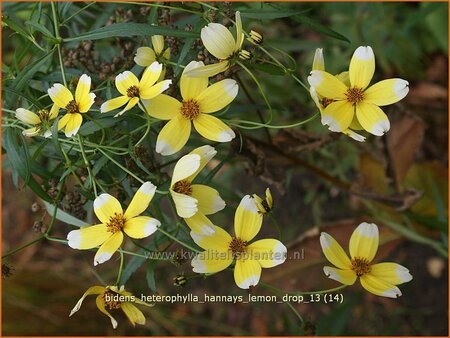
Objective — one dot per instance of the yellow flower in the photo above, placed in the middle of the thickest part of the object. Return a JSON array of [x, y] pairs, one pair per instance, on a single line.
[[114, 222], [145, 56], [323, 102], [41, 122], [113, 298], [82, 102], [199, 101], [356, 98], [132, 89], [194, 201], [219, 41], [222, 249], [264, 205], [380, 279]]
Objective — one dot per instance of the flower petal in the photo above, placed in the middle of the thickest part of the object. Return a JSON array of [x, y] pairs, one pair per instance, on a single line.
[[239, 33], [99, 301], [73, 124], [268, 252], [151, 75], [93, 290], [362, 67], [364, 241], [334, 252], [149, 92], [173, 136], [318, 62], [186, 205], [126, 80], [105, 206], [209, 70], [158, 43], [211, 261], [191, 87], [60, 95], [185, 167], [27, 116], [32, 132], [134, 315], [200, 224], [392, 273], [54, 112], [379, 287], [206, 153], [82, 96], [133, 101], [113, 103], [88, 237], [327, 85], [386, 92], [141, 226], [338, 115], [108, 248], [217, 96], [353, 135], [346, 277], [163, 107], [372, 118], [218, 240], [247, 273], [218, 40], [145, 56], [209, 200], [213, 129], [141, 200], [63, 121], [247, 220]]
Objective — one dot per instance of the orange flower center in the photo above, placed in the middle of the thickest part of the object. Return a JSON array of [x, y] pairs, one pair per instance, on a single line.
[[354, 95], [183, 187], [116, 223], [361, 266], [190, 109], [326, 101], [110, 303], [133, 91], [72, 107], [237, 246]]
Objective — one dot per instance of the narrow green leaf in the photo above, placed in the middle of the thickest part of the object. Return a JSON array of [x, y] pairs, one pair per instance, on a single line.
[[319, 28], [16, 149], [134, 263], [40, 28], [92, 126], [267, 68], [64, 216], [184, 51], [150, 276], [129, 30], [263, 14], [27, 73]]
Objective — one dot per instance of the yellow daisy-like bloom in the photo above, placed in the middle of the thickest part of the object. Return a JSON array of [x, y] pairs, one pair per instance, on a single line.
[[114, 222], [41, 122], [219, 41], [222, 249], [145, 56], [199, 101], [194, 201], [380, 279], [133, 90], [113, 298], [264, 205], [357, 99], [323, 102], [82, 102]]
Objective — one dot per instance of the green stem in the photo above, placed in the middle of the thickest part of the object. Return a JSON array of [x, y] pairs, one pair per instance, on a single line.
[[300, 82], [58, 37], [77, 12], [88, 166], [122, 167], [260, 125], [177, 240], [148, 125], [119, 275], [277, 225], [12, 252], [273, 288]]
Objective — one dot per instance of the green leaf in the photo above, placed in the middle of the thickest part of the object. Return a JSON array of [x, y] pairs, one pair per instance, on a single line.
[[150, 276], [17, 151], [134, 264], [319, 28], [267, 68], [22, 94], [40, 28], [27, 73], [129, 30], [64, 216], [92, 126], [184, 51], [263, 14]]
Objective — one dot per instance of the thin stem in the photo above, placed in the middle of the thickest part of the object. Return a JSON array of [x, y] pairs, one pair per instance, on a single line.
[[121, 167], [88, 166], [119, 275], [58, 38], [77, 12], [12, 252], [148, 124], [277, 225], [273, 288], [177, 240], [261, 125], [300, 82]]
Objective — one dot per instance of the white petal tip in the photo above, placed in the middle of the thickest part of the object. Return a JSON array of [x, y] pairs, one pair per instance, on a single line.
[[315, 78], [364, 53], [74, 239], [226, 136]]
